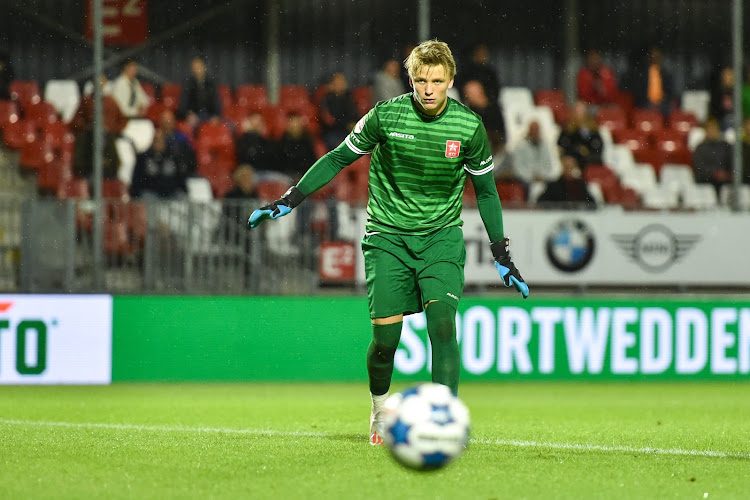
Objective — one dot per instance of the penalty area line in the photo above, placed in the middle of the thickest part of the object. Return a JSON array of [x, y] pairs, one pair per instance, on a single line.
[[269, 432]]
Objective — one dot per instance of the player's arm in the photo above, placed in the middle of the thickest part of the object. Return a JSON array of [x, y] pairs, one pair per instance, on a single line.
[[479, 166], [360, 141]]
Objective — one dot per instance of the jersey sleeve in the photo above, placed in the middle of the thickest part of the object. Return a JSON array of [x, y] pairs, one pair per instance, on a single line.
[[366, 133], [478, 158]]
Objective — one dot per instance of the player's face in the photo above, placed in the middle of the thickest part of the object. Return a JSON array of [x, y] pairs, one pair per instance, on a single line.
[[431, 88]]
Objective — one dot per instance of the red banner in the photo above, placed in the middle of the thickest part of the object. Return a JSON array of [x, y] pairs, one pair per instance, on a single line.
[[337, 261], [124, 22]]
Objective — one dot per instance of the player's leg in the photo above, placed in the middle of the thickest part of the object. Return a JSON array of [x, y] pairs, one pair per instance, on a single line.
[[441, 282], [391, 292]]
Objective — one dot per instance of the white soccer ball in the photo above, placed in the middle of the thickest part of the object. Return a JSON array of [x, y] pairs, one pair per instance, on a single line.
[[426, 426]]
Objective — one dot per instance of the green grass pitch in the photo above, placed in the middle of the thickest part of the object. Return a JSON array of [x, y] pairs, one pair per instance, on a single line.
[[297, 441]]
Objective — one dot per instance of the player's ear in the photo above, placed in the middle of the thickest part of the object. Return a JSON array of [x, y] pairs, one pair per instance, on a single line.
[[450, 84], [411, 82]]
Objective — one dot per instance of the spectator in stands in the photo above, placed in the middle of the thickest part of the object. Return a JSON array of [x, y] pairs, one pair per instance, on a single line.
[[296, 150], [722, 99], [596, 81], [651, 83], [338, 112], [199, 100], [81, 125], [387, 82], [254, 146], [479, 102], [128, 92], [569, 189], [532, 158], [6, 74], [162, 171], [177, 139], [580, 137], [481, 70], [712, 159]]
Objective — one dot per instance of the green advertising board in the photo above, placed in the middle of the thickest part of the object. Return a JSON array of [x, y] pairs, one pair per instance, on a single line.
[[325, 339]]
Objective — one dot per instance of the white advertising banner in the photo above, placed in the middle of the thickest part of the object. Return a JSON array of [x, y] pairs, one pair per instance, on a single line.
[[612, 247], [55, 339]]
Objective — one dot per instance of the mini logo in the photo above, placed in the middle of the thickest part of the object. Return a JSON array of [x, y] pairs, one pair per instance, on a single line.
[[570, 245], [452, 149], [655, 248], [360, 125]]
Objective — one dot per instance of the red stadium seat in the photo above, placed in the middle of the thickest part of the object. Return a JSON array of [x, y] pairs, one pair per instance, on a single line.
[[25, 93], [635, 140], [155, 110], [53, 174], [320, 148], [34, 155], [20, 132], [74, 188], [674, 145], [625, 101], [214, 147], [652, 156], [150, 90], [221, 184], [235, 113], [8, 112], [170, 95], [319, 93], [252, 97], [271, 190], [511, 193], [363, 99], [275, 121], [291, 96], [614, 118], [647, 120], [114, 189], [602, 175], [41, 112], [556, 101], [682, 121]]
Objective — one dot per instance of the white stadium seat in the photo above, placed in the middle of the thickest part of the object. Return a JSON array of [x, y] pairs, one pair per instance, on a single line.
[[516, 97], [696, 101], [726, 195], [141, 132], [676, 177], [536, 189], [659, 198], [619, 158], [641, 178], [700, 197], [695, 137], [64, 95], [596, 192], [199, 190]]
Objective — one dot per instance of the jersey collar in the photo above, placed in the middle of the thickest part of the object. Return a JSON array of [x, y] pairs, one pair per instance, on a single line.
[[426, 117]]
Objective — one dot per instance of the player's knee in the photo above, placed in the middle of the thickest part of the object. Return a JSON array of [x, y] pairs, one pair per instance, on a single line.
[[441, 322]]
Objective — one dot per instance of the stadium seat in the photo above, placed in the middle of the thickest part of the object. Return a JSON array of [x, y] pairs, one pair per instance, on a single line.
[[53, 174], [627, 197], [64, 95], [635, 140], [18, 133], [511, 193], [647, 120], [252, 97], [700, 197], [292, 97], [556, 101], [221, 183], [513, 97], [199, 190], [127, 155], [536, 189], [614, 118], [170, 95], [114, 189], [150, 90], [270, 190], [235, 114], [276, 117], [625, 101], [225, 95], [363, 99], [214, 147], [34, 155], [696, 102], [654, 157], [24, 92], [682, 121], [658, 198], [8, 112], [726, 196], [601, 175], [141, 132], [596, 192], [517, 130], [155, 111], [74, 188], [674, 145], [619, 158], [57, 134], [41, 112], [678, 178], [641, 178]]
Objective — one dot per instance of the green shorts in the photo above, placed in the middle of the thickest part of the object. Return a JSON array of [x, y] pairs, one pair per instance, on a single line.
[[404, 272]]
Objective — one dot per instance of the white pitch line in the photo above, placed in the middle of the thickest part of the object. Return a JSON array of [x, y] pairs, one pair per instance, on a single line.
[[269, 432]]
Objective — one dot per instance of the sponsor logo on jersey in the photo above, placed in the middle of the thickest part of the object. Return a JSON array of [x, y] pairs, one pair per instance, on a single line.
[[360, 125], [401, 136], [485, 162], [452, 149]]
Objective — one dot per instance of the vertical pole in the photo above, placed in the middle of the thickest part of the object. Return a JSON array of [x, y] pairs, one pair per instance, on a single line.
[[423, 20], [737, 60], [98, 149], [572, 49], [273, 68]]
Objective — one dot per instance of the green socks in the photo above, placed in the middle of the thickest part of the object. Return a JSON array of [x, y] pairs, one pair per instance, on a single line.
[[380, 356], [446, 360]]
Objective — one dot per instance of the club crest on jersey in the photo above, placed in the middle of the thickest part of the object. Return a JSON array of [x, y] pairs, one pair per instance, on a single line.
[[360, 125], [452, 149]]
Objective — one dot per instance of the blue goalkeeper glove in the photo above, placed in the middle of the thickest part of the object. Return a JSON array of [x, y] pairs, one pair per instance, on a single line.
[[506, 268], [276, 209]]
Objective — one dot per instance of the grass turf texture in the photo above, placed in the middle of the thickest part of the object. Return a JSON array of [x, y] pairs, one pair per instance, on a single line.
[[309, 441]]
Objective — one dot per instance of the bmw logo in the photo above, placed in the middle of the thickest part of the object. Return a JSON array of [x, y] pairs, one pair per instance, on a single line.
[[570, 245]]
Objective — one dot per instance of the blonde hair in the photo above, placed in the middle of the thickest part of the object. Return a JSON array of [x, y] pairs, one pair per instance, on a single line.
[[431, 53]]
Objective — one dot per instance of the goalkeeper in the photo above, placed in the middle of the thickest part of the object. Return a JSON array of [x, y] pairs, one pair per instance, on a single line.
[[423, 145]]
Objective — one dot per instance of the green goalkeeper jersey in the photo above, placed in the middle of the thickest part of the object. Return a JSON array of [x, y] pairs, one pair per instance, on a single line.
[[419, 163]]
